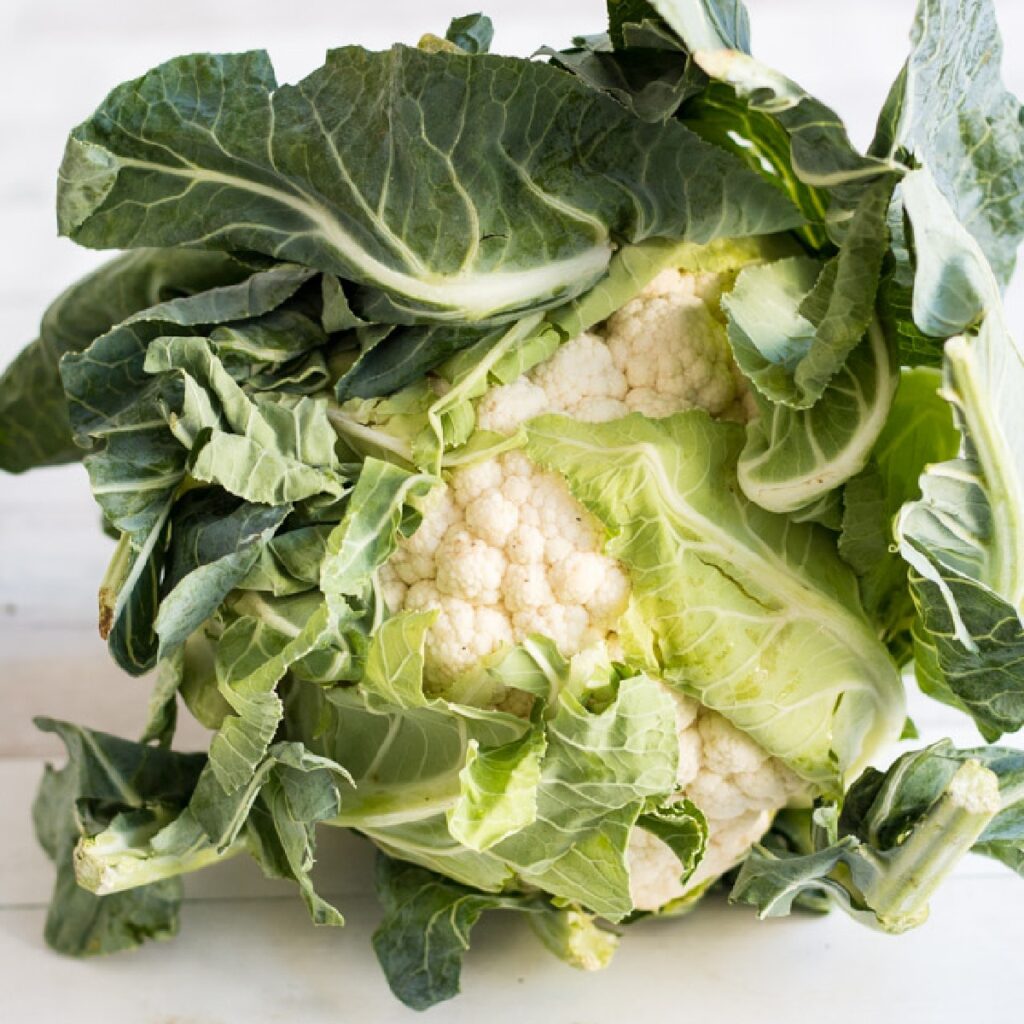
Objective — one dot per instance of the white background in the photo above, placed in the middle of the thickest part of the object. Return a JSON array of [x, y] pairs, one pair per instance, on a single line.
[[247, 952]]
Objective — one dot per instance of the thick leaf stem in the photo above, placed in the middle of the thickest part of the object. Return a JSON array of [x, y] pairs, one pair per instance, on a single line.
[[914, 869]]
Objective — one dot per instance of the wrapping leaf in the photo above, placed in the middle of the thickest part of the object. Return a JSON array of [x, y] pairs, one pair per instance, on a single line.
[[144, 168]]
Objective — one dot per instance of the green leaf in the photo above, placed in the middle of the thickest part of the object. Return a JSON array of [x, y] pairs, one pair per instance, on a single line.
[[160, 163], [895, 294], [953, 283], [403, 357], [794, 458], [683, 828], [821, 154], [34, 425], [252, 657], [426, 928], [621, 756], [804, 674], [918, 432], [962, 540], [472, 33], [950, 109], [411, 781], [368, 534], [498, 794], [281, 830], [649, 74], [701, 24], [394, 662], [897, 838], [106, 776], [130, 596], [269, 449], [575, 938], [215, 541], [793, 323]]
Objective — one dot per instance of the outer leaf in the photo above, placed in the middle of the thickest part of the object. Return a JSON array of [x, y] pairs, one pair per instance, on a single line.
[[796, 457], [962, 540], [574, 937], [368, 534], [252, 657], [918, 432], [648, 73], [791, 336], [472, 33], [281, 831], [34, 425], [683, 828], [266, 449], [949, 108], [702, 24], [394, 661], [106, 775], [821, 153], [215, 541], [408, 766], [803, 674], [425, 932], [403, 357], [498, 791], [145, 167], [953, 283], [899, 835]]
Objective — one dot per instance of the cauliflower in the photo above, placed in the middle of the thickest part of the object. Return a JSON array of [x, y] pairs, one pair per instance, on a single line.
[[663, 352], [504, 550], [737, 786]]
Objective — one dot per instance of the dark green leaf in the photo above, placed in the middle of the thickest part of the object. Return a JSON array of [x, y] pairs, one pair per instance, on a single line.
[[950, 109], [104, 776], [426, 928], [34, 425], [472, 33], [159, 161]]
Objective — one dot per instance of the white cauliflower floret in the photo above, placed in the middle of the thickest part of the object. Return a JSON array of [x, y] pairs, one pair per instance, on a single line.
[[392, 589], [527, 587], [580, 372], [504, 409], [493, 518], [673, 350], [469, 568], [504, 551], [663, 352], [463, 632], [737, 785]]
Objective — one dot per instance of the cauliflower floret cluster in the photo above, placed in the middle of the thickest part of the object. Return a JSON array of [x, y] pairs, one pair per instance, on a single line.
[[663, 352], [736, 784], [504, 551]]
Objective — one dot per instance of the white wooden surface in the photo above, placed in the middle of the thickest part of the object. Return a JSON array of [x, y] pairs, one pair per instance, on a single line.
[[247, 952]]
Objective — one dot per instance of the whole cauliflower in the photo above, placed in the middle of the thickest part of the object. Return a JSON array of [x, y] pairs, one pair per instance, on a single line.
[[505, 551]]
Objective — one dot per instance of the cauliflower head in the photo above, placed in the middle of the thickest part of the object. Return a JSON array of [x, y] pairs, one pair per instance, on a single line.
[[505, 551]]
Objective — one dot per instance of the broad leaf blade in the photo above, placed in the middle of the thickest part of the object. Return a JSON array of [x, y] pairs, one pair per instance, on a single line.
[[145, 167]]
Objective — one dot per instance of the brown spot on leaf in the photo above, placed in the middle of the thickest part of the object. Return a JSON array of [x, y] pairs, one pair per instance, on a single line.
[[107, 600]]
